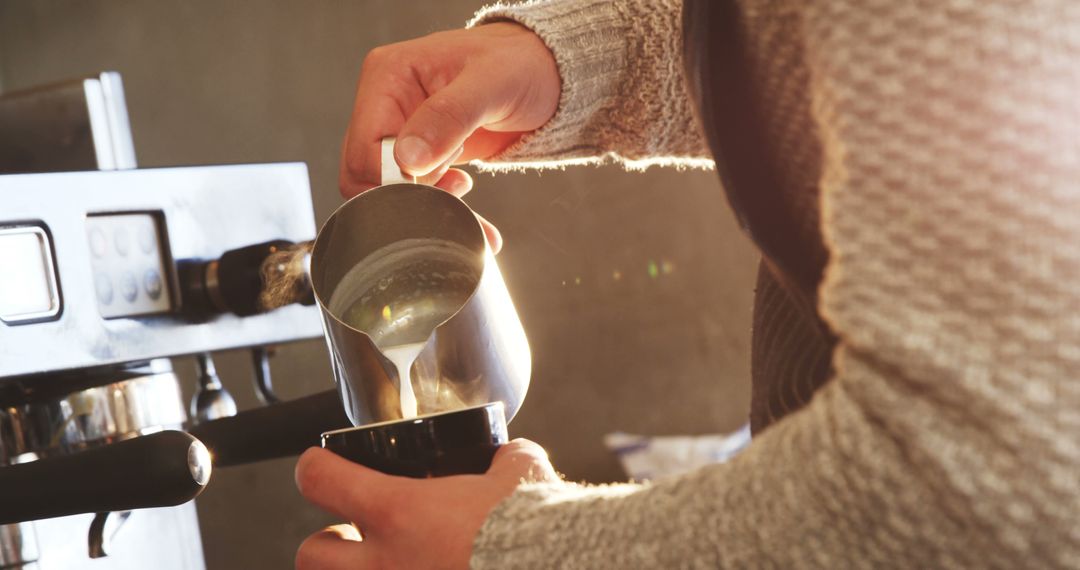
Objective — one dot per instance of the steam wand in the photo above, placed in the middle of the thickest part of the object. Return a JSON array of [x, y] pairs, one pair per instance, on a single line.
[[264, 386]]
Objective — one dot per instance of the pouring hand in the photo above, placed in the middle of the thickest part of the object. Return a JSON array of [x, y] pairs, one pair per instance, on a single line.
[[407, 523], [449, 98]]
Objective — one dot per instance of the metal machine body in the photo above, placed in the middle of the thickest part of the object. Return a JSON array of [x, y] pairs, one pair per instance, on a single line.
[[197, 213], [162, 539], [95, 295]]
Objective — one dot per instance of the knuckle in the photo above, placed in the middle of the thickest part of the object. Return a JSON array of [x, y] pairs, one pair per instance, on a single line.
[[344, 186], [524, 448], [375, 58], [519, 443], [354, 165], [354, 177], [526, 459]]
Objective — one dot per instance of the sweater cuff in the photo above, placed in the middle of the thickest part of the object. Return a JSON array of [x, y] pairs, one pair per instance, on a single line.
[[588, 40], [518, 530]]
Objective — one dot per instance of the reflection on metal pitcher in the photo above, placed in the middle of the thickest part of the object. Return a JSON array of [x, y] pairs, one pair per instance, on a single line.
[[409, 289]]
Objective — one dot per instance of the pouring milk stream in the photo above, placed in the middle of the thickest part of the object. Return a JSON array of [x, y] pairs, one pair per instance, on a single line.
[[400, 293]]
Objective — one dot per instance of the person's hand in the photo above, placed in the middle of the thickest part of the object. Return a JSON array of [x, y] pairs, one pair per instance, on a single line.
[[450, 97], [406, 523]]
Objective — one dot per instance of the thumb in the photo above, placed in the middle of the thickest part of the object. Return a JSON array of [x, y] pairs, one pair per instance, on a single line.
[[440, 125], [346, 489], [522, 459]]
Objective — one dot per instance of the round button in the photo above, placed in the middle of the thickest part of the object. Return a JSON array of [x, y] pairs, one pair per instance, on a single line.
[[152, 284], [146, 239], [99, 246], [128, 288], [121, 241], [104, 288]]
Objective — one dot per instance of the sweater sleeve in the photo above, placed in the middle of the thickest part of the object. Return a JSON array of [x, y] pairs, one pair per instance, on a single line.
[[949, 435], [624, 95]]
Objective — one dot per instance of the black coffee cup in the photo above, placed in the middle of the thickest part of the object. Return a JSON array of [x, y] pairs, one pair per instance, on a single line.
[[435, 445]]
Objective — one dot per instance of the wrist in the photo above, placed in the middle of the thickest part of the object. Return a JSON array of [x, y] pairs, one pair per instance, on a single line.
[[533, 69], [590, 62]]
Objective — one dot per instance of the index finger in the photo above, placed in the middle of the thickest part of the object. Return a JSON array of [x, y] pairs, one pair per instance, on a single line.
[[361, 152], [346, 489], [386, 94]]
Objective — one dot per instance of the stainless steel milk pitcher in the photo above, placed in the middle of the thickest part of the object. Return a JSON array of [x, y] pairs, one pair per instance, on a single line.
[[406, 267]]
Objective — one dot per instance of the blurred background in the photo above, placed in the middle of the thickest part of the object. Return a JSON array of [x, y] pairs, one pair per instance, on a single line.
[[635, 289]]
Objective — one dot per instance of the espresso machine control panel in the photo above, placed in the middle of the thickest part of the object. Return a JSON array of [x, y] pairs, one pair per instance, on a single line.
[[93, 263], [129, 264]]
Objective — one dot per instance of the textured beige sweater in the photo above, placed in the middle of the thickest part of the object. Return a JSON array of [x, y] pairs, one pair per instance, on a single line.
[[949, 434]]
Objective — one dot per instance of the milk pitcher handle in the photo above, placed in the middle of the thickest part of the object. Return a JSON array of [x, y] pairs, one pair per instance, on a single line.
[[391, 173]]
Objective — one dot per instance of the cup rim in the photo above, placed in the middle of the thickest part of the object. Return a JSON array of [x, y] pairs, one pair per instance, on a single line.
[[487, 253], [416, 420]]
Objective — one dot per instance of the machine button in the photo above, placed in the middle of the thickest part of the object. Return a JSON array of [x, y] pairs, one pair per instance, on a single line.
[[134, 261], [104, 288], [122, 241], [28, 287], [152, 284], [129, 289], [147, 240], [99, 245]]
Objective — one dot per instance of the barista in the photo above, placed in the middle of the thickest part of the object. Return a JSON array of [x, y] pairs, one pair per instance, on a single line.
[[909, 173]]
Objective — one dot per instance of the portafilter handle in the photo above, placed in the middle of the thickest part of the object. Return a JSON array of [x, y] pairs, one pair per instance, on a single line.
[[278, 430], [158, 470]]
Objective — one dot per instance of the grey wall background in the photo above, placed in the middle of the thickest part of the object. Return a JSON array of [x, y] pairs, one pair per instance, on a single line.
[[614, 347]]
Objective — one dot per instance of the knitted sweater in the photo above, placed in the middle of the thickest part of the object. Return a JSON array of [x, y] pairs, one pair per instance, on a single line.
[[949, 433]]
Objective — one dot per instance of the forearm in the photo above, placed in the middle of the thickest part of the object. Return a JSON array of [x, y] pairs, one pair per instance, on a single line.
[[624, 94], [947, 436], [812, 491], [866, 476]]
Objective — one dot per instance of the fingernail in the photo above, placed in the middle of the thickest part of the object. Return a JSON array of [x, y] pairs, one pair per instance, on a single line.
[[414, 153]]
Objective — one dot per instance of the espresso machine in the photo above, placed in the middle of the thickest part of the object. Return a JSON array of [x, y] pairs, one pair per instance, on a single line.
[[107, 272]]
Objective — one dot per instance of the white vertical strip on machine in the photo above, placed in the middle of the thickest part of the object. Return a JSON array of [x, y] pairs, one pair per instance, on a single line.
[[99, 124], [123, 145]]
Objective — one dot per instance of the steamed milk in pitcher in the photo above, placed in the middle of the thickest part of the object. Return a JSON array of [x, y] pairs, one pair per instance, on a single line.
[[398, 295]]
